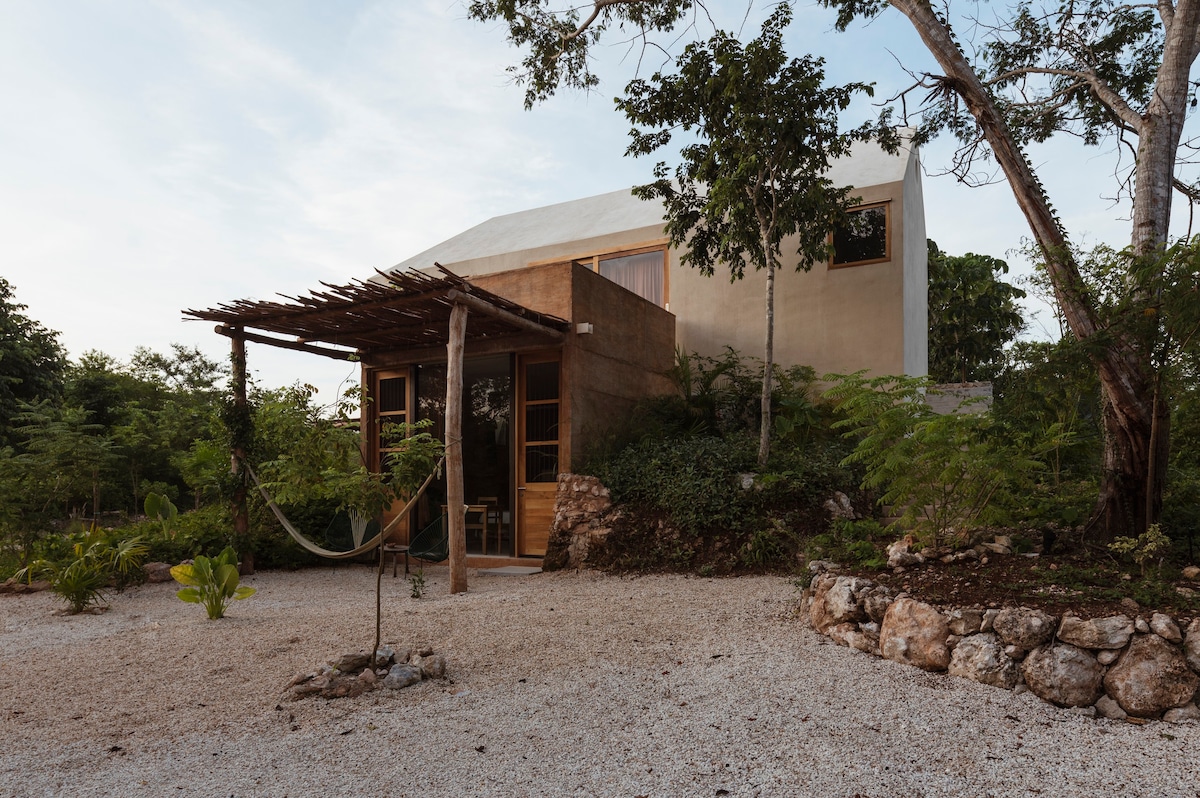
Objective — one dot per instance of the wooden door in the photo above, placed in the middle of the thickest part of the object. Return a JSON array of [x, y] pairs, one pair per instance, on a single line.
[[390, 403], [539, 411]]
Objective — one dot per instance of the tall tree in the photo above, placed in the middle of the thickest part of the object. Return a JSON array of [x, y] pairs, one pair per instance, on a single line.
[[32, 361], [972, 315], [1099, 69], [753, 183]]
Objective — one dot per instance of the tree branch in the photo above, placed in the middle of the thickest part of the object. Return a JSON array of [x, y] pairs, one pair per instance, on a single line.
[[1104, 93]]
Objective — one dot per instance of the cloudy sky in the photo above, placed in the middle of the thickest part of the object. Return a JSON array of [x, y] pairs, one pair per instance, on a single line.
[[160, 155]]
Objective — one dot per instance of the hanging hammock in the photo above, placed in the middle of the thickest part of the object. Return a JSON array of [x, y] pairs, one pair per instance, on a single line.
[[308, 545]]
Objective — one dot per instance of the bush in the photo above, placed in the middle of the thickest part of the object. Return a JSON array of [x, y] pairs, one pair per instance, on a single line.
[[94, 564]]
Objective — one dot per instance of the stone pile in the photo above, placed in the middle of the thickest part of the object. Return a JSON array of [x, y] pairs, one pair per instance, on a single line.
[[354, 674], [583, 516], [1116, 667]]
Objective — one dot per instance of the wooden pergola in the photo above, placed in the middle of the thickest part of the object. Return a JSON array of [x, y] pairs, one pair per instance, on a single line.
[[398, 311]]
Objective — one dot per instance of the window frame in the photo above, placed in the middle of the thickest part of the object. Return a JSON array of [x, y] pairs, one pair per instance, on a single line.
[[887, 236], [591, 260]]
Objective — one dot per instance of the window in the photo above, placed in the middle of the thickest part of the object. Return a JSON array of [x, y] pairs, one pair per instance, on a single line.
[[391, 407], [864, 238], [643, 271]]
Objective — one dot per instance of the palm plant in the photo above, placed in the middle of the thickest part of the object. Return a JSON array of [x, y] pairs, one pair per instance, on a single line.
[[96, 563]]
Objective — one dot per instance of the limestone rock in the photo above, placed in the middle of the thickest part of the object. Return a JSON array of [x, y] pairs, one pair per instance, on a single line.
[[1191, 647], [839, 506], [1130, 606], [1187, 714], [1112, 632], [1107, 656], [157, 572], [914, 633], [401, 676], [368, 676], [351, 663], [1142, 627], [1015, 652], [1163, 626], [964, 622], [1063, 674], [1024, 627], [432, 666], [1191, 573], [1151, 677], [981, 658], [876, 602], [989, 620], [836, 601], [385, 656], [1110, 709], [899, 554]]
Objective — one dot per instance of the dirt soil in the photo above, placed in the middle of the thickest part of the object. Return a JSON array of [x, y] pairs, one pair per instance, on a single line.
[[1059, 584]]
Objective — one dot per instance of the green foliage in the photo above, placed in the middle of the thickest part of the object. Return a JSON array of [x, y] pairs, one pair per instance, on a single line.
[[948, 474], [320, 458], [32, 363], [756, 175], [767, 547], [95, 563], [850, 541], [212, 582], [164, 510], [416, 582], [973, 314], [1145, 547]]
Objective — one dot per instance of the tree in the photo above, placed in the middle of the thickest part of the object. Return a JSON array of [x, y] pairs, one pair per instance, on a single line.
[[1099, 69], [973, 314], [754, 183], [32, 361]]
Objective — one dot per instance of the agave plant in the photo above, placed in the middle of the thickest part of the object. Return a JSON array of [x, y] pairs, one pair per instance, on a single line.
[[212, 582], [95, 564]]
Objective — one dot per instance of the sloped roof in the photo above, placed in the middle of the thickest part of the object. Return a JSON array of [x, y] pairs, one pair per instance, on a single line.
[[561, 223], [619, 211]]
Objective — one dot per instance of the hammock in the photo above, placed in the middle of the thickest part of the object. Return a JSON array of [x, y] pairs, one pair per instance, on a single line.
[[308, 545]]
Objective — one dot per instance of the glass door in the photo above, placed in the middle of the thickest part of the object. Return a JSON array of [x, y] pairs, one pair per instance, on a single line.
[[539, 412]]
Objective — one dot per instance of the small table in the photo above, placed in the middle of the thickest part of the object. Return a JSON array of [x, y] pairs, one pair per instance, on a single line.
[[395, 549]]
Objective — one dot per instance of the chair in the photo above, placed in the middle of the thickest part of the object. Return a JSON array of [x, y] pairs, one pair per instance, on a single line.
[[432, 543], [491, 520]]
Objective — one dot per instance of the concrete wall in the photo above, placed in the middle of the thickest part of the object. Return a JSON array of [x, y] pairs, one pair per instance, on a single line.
[[871, 317]]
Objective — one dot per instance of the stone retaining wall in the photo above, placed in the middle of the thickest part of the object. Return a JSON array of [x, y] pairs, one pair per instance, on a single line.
[[1116, 667]]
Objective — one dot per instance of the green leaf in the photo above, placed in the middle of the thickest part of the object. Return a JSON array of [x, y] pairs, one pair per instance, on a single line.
[[244, 592], [190, 594], [185, 575]]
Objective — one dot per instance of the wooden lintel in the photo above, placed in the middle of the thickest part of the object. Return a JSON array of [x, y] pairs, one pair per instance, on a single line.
[[283, 343], [488, 309]]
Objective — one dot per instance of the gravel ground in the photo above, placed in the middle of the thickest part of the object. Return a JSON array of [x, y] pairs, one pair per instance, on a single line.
[[559, 684]]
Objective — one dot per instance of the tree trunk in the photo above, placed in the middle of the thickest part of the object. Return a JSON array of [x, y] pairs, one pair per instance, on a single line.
[[764, 431], [241, 512], [1125, 369], [455, 503]]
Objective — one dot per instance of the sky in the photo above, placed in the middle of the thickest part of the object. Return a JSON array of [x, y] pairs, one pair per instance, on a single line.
[[160, 155]]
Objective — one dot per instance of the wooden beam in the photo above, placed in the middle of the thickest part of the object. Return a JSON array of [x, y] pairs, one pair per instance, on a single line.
[[488, 309], [240, 429], [456, 506], [283, 343]]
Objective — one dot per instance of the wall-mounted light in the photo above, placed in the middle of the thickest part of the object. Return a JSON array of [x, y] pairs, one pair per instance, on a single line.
[[584, 328]]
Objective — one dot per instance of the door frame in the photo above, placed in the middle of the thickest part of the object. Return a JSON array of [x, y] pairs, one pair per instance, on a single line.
[[520, 483]]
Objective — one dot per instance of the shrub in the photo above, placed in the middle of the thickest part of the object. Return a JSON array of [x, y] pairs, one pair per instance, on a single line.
[[96, 562], [211, 582]]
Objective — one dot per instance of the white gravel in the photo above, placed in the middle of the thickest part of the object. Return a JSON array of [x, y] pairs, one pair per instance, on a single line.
[[560, 684]]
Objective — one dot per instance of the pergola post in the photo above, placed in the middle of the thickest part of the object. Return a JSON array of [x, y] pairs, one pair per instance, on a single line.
[[239, 430], [455, 501]]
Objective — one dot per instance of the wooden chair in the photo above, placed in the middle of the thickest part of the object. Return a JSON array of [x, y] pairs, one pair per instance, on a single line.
[[492, 520]]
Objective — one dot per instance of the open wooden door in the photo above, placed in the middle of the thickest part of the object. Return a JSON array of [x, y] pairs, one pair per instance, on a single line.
[[539, 410]]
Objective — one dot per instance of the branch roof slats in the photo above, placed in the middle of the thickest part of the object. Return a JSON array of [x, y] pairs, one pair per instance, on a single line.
[[409, 309]]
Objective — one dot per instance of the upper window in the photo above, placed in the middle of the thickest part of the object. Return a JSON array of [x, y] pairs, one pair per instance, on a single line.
[[864, 238], [643, 271]]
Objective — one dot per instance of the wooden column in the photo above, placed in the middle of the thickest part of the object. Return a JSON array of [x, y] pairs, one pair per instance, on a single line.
[[239, 427], [455, 500]]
